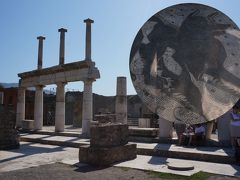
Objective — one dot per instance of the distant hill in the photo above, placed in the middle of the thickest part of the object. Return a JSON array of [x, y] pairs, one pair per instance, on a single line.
[[9, 85]]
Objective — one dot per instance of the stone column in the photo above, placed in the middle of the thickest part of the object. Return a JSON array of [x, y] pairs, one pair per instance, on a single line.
[[209, 129], [38, 108], [20, 106], [121, 100], [62, 46], [165, 128], [60, 107], [223, 128], [87, 114], [40, 51], [88, 39]]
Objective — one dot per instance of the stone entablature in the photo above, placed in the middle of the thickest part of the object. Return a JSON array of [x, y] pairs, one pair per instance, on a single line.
[[77, 71]]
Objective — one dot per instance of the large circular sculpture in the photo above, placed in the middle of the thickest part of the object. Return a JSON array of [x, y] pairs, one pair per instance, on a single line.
[[185, 63]]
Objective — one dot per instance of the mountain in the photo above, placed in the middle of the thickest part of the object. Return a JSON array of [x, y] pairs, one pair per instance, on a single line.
[[8, 85]]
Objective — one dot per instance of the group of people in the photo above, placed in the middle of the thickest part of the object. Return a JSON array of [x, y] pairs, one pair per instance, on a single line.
[[192, 133]]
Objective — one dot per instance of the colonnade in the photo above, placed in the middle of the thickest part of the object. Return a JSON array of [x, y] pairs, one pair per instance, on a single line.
[[60, 90]]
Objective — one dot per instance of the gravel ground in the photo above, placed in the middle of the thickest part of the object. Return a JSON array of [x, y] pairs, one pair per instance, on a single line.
[[64, 172]]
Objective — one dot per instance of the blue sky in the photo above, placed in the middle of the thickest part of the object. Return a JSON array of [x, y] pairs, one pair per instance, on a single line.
[[115, 27]]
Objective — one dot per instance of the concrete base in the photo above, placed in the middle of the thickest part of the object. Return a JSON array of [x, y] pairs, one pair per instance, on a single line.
[[27, 124], [107, 156]]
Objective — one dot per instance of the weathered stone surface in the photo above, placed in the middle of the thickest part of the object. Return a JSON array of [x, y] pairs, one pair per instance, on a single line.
[[27, 124], [144, 132], [106, 156], [105, 118], [144, 122], [9, 138], [109, 135], [121, 100], [184, 63]]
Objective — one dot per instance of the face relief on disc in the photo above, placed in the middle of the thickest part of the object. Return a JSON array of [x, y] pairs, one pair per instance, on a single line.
[[185, 62]]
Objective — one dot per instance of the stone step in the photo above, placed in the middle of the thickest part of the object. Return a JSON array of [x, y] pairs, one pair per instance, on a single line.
[[208, 154], [133, 131]]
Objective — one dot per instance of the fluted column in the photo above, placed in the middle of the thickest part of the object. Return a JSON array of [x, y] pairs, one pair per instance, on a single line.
[[38, 108], [87, 115], [20, 106], [121, 100], [60, 107]]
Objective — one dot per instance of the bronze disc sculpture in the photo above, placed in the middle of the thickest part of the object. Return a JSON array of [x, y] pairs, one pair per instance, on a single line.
[[185, 63]]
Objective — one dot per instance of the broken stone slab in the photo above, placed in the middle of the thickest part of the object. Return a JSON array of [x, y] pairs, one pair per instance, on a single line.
[[109, 135], [106, 156]]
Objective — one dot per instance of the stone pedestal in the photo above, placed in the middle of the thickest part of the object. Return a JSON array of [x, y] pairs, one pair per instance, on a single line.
[[28, 124], [223, 128], [20, 106], [38, 108], [108, 144], [60, 108], [165, 128], [87, 115], [144, 123], [109, 135], [121, 100]]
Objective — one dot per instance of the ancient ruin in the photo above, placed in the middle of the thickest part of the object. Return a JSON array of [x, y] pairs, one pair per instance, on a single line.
[[108, 144], [9, 137], [60, 75]]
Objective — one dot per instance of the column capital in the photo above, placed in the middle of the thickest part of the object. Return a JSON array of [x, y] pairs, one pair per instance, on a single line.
[[61, 83], [39, 86], [88, 21], [41, 38], [88, 81], [62, 30]]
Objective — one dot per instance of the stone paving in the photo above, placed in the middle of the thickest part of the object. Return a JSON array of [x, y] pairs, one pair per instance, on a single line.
[[172, 147], [33, 154]]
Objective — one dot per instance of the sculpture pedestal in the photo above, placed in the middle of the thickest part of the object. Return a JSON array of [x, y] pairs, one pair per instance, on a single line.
[[108, 144]]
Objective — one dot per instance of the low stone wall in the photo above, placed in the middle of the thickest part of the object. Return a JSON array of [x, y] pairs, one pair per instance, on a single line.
[[9, 138]]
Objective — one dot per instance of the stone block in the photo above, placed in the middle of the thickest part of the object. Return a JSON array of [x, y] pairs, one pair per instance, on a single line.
[[105, 118], [28, 124], [144, 122], [144, 132], [109, 135], [9, 137], [107, 156]]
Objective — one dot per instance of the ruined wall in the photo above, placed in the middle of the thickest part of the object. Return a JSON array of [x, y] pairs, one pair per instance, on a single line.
[[8, 134]]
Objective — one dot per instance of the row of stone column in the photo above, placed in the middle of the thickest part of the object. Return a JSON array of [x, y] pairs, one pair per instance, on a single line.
[[60, 107], [60, 94]]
